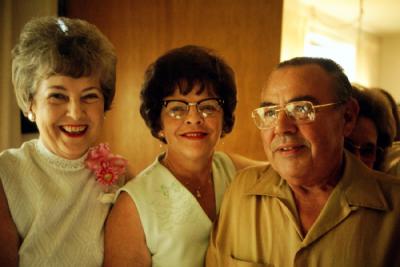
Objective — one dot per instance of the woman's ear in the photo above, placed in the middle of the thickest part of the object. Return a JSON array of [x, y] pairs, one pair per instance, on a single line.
[[30, 114], [350, 116]]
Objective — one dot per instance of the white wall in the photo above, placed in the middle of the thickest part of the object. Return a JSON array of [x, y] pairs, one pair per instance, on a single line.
[[294, 25], [390, 65], [378, 58], [368, 60]]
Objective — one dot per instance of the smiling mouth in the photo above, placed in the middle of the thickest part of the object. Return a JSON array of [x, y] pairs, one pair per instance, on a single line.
[[290, 148], [74, 130], [194, 135]]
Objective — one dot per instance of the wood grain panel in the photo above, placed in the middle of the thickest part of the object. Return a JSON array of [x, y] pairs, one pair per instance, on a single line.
[[246, 33]]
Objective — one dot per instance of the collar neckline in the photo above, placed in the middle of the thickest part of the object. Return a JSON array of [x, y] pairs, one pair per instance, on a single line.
[[57, 161]]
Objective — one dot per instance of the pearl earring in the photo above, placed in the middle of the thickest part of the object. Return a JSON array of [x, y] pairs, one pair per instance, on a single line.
[[31, 116]]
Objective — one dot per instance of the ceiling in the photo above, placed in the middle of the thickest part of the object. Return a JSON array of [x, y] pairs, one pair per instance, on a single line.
[[381, 17]]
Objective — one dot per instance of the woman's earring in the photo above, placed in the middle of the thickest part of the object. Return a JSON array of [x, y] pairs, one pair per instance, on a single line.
[[162, 136], [31, 116]]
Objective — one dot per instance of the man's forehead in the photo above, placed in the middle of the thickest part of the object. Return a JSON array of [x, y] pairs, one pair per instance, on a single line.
[[272, 102], [296, 82]]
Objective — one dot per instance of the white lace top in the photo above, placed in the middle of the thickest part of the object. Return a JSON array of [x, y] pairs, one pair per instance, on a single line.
[[176, 227], [55, 205]]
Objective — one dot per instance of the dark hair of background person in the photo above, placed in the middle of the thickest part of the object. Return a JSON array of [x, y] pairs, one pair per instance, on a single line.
[[184, 68], [373, 108], [395, 110], [343, 86]]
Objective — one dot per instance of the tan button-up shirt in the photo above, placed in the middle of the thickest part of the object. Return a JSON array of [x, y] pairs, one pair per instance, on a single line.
[[259, 223]]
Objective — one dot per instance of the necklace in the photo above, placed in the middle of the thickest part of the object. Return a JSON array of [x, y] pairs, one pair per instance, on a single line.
[[197, 190], [194, 187], [198, 193]]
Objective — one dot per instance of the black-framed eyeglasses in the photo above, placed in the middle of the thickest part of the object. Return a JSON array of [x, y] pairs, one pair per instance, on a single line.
[[207, 107], [299, 111], [367, 151]]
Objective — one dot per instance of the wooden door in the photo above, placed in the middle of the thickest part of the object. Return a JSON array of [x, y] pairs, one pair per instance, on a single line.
[[246, 33]]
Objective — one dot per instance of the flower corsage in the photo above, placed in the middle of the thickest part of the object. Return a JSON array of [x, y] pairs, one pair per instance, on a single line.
[[108, 168]]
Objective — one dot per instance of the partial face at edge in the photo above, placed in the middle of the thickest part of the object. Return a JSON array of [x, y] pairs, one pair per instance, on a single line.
[[365, 137]]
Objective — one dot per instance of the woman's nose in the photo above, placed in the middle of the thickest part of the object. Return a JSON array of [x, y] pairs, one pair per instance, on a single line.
[[75, 109], [193, 116]]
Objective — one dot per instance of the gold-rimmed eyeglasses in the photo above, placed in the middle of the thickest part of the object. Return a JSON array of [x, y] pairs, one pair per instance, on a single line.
[[299, 111], [178, 109]]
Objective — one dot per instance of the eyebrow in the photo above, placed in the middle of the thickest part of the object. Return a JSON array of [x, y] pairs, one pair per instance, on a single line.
[[60, 87], [310, 98], [185, 101]]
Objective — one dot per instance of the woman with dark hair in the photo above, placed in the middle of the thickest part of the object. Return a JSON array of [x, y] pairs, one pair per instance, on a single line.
[[163, 216]]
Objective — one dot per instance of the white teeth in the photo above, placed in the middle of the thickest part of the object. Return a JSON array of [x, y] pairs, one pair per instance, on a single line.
[[287, 148], [73, 128], [194, 134]]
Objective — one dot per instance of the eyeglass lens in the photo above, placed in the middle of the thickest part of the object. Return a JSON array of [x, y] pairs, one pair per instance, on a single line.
[[179, 108], [300, 111]]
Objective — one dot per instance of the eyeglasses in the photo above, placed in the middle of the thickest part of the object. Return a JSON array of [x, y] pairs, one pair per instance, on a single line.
[[366, 151], [299, 111], [178, 109]]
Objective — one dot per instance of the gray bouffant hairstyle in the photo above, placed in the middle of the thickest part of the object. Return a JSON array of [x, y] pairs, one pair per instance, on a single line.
[[61, 46]]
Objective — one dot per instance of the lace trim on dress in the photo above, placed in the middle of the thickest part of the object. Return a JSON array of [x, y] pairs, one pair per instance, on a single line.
[[59, 162]]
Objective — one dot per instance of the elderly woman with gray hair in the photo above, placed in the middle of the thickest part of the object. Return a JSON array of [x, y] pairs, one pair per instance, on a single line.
[[52, 189]]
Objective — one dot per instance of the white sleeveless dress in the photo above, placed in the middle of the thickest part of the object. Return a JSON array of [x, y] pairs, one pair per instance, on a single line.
[[176, 227], [55, 205]]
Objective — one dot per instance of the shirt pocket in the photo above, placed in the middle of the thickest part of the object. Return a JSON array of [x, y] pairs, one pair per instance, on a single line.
[[233, 262]]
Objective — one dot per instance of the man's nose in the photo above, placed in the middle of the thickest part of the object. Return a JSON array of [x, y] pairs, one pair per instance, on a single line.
[[284, 124]]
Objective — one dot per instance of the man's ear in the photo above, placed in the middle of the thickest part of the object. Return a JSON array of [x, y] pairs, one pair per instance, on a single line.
[[350, 116]]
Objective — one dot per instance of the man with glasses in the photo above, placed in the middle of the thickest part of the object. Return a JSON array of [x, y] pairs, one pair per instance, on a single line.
[[315, 204]]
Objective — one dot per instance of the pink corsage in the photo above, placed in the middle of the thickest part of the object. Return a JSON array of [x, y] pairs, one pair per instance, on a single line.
[[106, 166]]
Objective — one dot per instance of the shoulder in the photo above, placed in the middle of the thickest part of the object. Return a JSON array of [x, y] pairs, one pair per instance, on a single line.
[[358, 171], [148, 184], [392, 160], [388, 183], [250, 176], [16, 153], [12, 158], [255, 172], [242, 162], [151, 173], [389, 188], [363, 181], [222, 159], [223, 167]]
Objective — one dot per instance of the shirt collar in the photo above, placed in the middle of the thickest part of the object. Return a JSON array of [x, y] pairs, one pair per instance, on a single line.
[[358, 185]]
